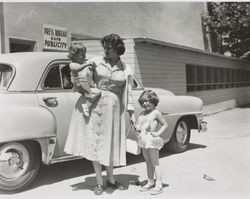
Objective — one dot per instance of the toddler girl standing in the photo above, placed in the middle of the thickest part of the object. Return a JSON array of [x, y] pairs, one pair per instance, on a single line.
[[149, 139]]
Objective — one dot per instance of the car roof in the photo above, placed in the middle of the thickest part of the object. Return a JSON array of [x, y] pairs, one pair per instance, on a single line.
[[8, 57], [29, 67]]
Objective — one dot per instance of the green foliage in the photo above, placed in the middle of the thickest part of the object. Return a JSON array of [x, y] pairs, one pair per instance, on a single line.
[[231, 21]]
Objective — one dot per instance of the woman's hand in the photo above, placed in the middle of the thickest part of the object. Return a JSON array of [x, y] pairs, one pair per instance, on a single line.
[[94, 64], [132, 119]]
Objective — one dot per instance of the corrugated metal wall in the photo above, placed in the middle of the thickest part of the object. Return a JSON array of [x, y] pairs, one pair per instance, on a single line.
[[165, 67]]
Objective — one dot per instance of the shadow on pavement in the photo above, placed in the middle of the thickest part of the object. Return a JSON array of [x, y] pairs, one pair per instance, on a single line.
[[67, 170], [61, 171], [196, 146], [125, 179]]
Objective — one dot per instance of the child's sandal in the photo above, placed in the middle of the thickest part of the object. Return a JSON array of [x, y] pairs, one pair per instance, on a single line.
[[146, 187], [156, 190]]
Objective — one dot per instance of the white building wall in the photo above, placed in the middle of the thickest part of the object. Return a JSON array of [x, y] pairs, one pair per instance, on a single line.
[[164, 21]]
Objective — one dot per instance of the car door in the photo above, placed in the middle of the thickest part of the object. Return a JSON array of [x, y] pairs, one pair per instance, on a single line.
[[55, 94], [132, 146]]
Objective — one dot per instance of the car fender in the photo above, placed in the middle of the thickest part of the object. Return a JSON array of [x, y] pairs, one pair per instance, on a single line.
[[180, 104], [172, 119], [47, 146], [173, 108]]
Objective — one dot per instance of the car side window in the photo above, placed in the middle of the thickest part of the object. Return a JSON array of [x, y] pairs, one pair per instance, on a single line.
[[58, 77], [53, 79], [136, 84]]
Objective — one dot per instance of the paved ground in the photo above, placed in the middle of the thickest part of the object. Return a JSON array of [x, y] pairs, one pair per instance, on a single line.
[[223, 153]]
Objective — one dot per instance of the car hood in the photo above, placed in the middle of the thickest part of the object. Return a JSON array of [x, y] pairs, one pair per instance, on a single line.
[[160, 91]]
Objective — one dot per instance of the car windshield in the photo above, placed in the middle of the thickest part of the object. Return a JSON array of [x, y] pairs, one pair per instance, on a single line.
[[5, 75]]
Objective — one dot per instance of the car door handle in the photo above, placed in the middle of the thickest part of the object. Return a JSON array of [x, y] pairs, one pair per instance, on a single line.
[[50, 101]]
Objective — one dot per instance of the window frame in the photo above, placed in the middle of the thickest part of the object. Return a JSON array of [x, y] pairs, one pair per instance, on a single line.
[[141, 88], [45, 74], [220, 78], [24, 41]]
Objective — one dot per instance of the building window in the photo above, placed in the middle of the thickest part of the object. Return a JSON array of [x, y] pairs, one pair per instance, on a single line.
[[21, 45], [200, 78]]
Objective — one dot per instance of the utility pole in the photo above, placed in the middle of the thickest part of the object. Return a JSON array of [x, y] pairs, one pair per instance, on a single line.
[[206, 35], [2, 33]]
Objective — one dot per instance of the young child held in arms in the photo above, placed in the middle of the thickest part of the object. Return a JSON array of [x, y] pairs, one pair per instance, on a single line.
[[149, 139], [81, 75]]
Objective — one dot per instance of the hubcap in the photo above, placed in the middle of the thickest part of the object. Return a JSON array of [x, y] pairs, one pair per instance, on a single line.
[[14, 161], [181, 132]]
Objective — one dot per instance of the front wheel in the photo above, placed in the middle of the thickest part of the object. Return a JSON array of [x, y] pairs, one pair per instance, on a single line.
[[19, 164], [180, 138]]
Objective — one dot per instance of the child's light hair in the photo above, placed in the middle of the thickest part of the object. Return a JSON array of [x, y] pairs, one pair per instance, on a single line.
[[149, 95], [75, 48]]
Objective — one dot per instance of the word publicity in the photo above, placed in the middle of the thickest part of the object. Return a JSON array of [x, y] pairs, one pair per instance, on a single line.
[[55, 37]]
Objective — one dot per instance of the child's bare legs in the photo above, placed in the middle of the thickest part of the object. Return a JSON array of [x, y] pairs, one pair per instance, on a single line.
[[154, 157], [85, 89], [150, 167], [91, 97], [150, 170]]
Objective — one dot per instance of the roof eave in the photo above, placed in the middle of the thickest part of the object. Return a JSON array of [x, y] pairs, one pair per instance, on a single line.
[[180, 47]]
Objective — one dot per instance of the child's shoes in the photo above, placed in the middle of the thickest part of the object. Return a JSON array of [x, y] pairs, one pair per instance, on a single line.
[[85, 109], [146, 187], [156, 190]]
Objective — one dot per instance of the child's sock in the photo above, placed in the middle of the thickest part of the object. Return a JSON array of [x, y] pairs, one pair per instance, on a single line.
[[151, 182], [148, 186], [157, 189], [158, 183]]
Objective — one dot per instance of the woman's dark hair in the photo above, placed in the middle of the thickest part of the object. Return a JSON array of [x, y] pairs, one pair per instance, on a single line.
[[116, 43], [76, 48], [149, 95]]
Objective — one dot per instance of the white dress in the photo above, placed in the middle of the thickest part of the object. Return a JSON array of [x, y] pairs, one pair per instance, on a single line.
[[145, 139], [102, 136]]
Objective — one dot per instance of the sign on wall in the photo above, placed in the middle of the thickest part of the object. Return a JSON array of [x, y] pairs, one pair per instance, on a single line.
[[54, 37]]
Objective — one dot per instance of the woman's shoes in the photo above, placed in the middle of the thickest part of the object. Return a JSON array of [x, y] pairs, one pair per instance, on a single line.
[[116, 185], [98, 189]]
